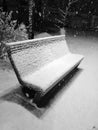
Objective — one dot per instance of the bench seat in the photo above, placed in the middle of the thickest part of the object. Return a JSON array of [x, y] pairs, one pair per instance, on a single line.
[[53, 72]]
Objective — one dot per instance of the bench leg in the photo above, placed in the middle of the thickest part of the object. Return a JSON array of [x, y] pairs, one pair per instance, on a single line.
[[29, 93], [32, 95], [37, 97]]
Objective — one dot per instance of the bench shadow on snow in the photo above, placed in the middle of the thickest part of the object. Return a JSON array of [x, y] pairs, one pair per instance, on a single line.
[[18, 97]]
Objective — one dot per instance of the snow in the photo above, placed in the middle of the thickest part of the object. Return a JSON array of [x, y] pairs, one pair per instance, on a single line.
[[50, 74]]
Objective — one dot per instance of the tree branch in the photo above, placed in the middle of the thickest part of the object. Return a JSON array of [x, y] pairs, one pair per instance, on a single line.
[[72, 1]]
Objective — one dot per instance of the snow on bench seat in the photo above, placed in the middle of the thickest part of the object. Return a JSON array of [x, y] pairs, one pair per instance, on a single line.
[[51, 73]]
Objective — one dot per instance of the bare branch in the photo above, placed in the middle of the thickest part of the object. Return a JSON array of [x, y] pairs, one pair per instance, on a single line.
[[72, 1], [63, 13]]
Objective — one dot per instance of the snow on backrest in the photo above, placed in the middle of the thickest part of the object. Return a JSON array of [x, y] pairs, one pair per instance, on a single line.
[[30, 55]]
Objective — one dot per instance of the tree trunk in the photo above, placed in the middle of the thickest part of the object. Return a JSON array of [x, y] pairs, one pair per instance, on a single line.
[[31, 18]]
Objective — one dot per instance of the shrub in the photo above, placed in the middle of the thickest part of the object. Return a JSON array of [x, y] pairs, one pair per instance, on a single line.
[[8, 33]]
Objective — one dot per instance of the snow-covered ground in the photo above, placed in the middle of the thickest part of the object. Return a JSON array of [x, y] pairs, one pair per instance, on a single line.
[[75, 107]]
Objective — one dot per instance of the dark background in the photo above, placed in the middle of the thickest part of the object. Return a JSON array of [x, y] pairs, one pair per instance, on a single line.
[[82, 14]]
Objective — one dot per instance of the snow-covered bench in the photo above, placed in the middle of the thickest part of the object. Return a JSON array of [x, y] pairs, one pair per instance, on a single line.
[[41, 63]]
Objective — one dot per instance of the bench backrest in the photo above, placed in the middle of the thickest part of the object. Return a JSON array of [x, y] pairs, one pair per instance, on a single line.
[[30, 55]]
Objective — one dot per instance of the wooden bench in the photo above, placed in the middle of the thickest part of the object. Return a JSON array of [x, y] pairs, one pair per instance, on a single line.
[[41, 63]]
